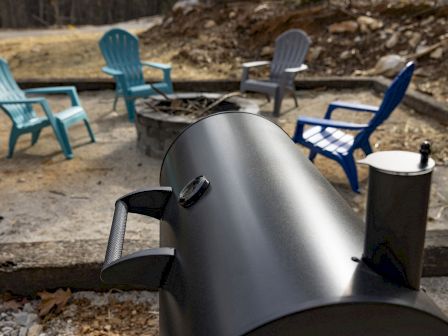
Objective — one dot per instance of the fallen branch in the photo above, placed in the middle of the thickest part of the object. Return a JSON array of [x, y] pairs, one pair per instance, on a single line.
[[160, 92], [218, 101]]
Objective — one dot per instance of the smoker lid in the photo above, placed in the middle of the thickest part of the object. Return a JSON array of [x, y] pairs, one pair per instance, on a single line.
[[399, 163]]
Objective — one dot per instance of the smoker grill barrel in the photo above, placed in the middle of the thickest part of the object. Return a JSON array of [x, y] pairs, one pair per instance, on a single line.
[[268, 248]]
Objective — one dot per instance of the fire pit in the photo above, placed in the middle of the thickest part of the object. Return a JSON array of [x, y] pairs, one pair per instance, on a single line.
[[160, 120]]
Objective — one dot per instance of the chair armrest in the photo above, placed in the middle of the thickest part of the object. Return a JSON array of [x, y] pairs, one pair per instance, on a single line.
[[330, 123], [111, 71], [349, 106], [155, 65], [27, 101], [303, 67], [119, 77], [166, 68], [69, 90], [247, 66], [255, 64]]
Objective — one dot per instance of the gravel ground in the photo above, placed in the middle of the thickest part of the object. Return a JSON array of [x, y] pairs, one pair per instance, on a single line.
[[48, 198], [86, 313], [125, 313]]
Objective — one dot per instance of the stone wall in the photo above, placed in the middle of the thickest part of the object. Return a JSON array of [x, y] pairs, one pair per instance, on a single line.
[[156, 132]]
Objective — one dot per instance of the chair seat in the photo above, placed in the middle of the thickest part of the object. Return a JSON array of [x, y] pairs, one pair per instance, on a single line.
[[73, 112], [329, 139], [36, 121], [259, 86], [147, 90]]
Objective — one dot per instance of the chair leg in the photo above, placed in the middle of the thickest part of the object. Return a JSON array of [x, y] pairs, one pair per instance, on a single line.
[[268, 98], [349, 166], [65, 145], [114, 106], [89, 129], [296, 103], [12, 142], [131, 109], [35, 136], [312, 155], [278, 102]]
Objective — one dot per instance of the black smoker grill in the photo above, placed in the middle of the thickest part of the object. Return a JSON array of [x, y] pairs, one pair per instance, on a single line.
[[254, 241]]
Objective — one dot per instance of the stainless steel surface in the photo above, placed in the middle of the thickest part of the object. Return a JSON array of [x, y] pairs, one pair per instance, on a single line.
[[398, 163], [396, 214]]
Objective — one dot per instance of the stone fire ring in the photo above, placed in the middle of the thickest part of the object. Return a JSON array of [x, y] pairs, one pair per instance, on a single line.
[[156, 131]]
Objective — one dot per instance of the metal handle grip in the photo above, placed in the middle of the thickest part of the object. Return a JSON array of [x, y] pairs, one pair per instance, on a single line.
[[127, 270], [117, 233]]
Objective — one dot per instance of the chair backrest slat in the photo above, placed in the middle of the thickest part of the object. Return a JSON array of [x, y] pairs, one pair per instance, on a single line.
[[392, 98], [120, 50], [9, 90], [290, 51]]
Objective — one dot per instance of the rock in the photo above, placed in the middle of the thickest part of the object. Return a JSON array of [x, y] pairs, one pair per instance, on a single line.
[[23, 331], [35, 330], [184, 6], [345, 55], [422, 47], [6, 330], [267, 51], [367, 24], [28, 308], [232, 15], [421, 72], [415, 39], [210, 24], [314, 53], [21, 180], [427, 21], [261, 7], [437, 54], [388, 65], [343, 27], [25, 319], [393, 40]]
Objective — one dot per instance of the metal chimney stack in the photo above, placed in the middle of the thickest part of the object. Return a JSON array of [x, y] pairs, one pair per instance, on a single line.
[[397, 207]]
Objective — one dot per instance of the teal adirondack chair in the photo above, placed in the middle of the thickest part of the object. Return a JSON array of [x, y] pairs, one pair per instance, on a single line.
[[20, 110], [121, 52]]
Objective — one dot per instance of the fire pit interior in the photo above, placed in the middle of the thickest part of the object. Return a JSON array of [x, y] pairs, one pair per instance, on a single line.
[[196, 107], [161, 118]]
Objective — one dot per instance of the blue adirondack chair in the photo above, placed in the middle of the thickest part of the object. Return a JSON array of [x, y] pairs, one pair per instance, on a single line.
[[328, 139], [121, 52], [19, 109]]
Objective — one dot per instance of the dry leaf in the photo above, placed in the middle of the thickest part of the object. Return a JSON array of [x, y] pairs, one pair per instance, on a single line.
[[12, 304], [56, 300]]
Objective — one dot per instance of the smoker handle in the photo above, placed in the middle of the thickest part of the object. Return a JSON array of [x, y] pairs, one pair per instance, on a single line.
[[155, 262], [117, 233]]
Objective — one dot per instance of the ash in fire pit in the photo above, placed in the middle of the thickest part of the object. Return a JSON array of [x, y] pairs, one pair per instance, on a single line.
[[160, 120]]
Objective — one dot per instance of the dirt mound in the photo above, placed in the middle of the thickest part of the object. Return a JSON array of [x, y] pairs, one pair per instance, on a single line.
[[346, 40]]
